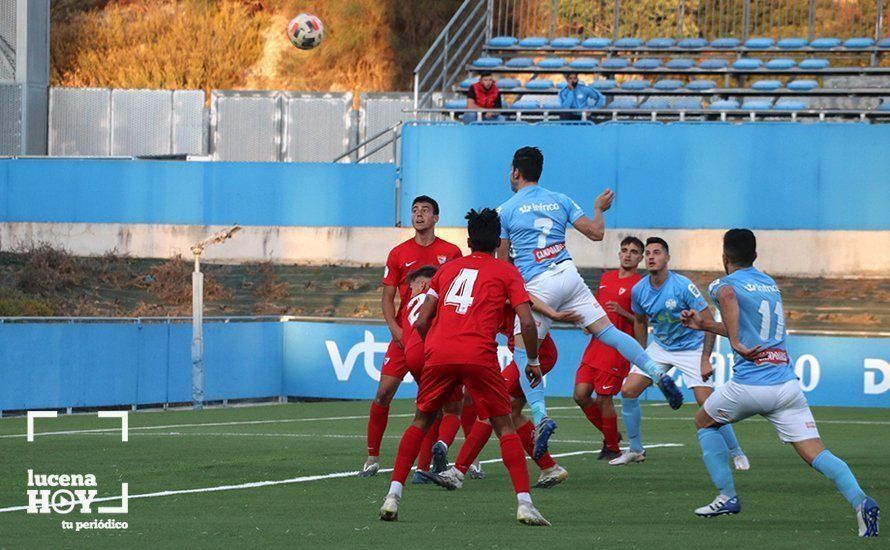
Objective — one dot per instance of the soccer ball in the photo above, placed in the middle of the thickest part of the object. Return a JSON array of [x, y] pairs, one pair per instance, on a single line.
[[305, 31]]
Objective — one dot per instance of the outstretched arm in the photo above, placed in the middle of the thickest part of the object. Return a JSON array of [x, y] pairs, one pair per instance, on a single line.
[[595, 229], [562, 316], [427, 312], [729, 308]]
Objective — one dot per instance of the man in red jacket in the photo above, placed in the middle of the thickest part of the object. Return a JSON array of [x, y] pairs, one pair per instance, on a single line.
[[483, 95]]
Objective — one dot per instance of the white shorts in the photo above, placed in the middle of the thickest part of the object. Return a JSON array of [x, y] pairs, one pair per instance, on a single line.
[[563, 289], [688, 362], [784, 405]]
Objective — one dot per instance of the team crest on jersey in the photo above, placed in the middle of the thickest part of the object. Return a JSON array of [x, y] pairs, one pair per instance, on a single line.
[[670, 303], [621, 291], [442, 259]]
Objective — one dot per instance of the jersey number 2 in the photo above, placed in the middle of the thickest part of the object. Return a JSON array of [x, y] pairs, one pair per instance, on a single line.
[[766, 320], [460, 293]]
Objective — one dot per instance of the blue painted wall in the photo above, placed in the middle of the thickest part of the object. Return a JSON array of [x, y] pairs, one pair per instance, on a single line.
[[680, 175], [196, 193], [95, 364]]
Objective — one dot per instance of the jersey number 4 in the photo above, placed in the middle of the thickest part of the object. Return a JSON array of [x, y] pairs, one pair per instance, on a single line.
[[460, 293]]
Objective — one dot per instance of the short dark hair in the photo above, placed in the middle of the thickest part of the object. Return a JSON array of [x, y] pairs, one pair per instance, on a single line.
[[485, 73], [530, 163], [567, 74], [426, 271], [484, 229], [659, 240], [429, 200], [633, 240], [740, 246]]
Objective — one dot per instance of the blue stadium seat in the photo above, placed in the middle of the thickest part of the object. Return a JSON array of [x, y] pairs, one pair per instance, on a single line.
[[660, 43], [686, 103], [533, 42], [614, 63], [668, 84], [456, 104], [712, 64], [681, 63], [526, 104], [625, 43], [724, 104], [508, 83], [803, 85], [622, 103], [813, 63], [636, 84], [760, 43], [757, 104], [884, 43], [792, 43], [825, 43], [692, 43], [747, 64], [655, 104], [564, 43], [583, 63], [552, 63], [725, 43], [766, 85], [858, 43], [884, 106], [596, 43], [465, 84], [488, 62], [788, 104], [539, 84], [520, 62], [647, 63], [701, 85], [502, 42], [779, 64], [603, 84], [551, 104]]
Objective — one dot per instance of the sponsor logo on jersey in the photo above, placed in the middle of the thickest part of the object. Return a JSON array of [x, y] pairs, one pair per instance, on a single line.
[[539, 207], [694, 290], [409, 264], [751, 287], [543, 254], [773, 356]]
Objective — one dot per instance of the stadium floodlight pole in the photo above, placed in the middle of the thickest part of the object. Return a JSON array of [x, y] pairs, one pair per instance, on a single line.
[[198, 314]]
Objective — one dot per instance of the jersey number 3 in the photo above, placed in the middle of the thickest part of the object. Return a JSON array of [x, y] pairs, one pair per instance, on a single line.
[[460, 293]]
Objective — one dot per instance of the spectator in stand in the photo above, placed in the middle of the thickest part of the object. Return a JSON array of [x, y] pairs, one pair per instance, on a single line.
[[483, 95], [577, 95]]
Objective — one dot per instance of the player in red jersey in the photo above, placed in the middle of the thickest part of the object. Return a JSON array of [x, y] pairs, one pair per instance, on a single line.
[[602, 368], [423, 249], [465, 306]]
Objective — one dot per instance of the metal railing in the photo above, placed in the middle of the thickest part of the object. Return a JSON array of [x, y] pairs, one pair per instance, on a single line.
[[462, 38], [388, 137]]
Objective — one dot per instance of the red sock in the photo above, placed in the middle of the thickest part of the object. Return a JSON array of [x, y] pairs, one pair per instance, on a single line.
[[592, 412], [448, 430], [525, 433], [474, 444], [514, 460], [610, 430], [376, 426], [409, 446], [468, 418], [426, 449]]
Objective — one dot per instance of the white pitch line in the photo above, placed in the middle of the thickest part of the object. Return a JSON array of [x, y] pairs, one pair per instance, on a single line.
[[751, 419], [301, 479]]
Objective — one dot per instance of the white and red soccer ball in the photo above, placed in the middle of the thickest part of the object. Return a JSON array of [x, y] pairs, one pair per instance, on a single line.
[[305, 31]]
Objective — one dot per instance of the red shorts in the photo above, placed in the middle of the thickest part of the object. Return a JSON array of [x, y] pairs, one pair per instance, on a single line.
[[604, 383], [485, 385], [414, 358], [547, 355], [394, 363], [605, 358]]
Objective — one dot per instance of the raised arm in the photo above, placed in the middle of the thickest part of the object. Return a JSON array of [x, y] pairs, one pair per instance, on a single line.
[[595, 229]]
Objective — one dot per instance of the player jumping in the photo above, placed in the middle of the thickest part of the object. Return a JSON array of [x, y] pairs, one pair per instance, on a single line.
[[533, 233], [423, 249], [465, 305], [603, 369], [764, 383], [661, 298]]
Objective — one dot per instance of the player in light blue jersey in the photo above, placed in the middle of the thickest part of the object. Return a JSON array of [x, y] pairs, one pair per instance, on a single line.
[[764, 383], [533, 234], [660, 299]]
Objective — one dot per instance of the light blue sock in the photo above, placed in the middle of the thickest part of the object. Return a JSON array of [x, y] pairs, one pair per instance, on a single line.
[[837, 471], [716, 458], [633, 418], [534, 396], [729, 438], [630, 349]]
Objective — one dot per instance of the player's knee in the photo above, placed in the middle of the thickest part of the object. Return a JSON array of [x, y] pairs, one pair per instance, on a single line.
[[603, 400], [581, 398], [384, 396]]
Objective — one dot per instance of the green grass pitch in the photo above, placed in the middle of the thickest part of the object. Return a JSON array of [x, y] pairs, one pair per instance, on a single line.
[[785, 503]]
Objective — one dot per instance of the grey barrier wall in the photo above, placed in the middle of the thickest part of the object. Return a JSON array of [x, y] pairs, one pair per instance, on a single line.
[[380, 111], [317, 126], [10, 118], [100, 121], [7, 39]]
